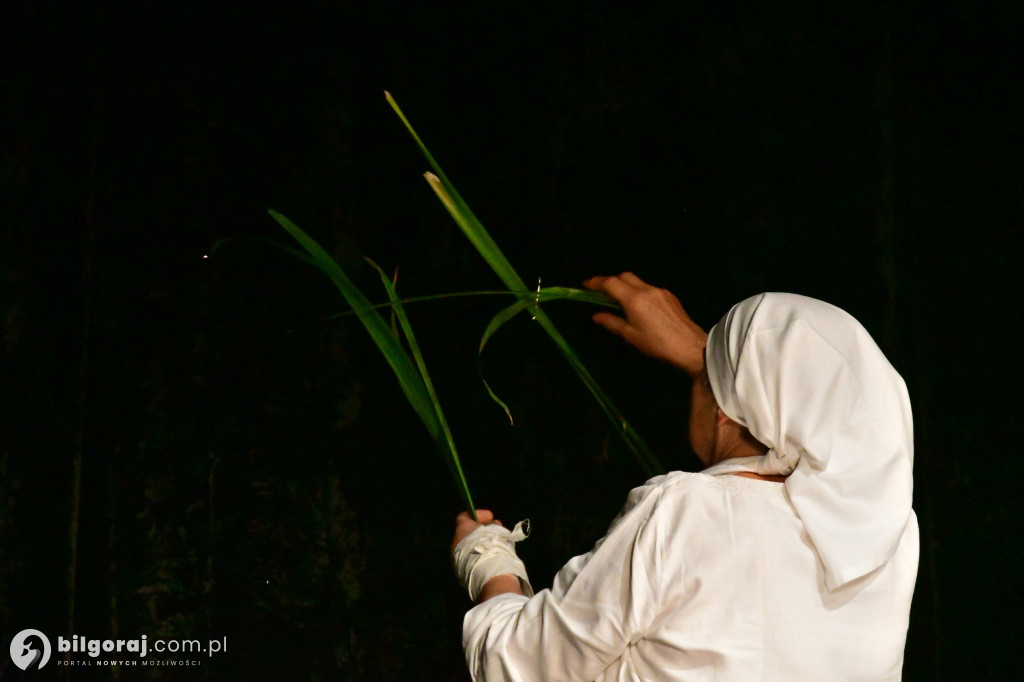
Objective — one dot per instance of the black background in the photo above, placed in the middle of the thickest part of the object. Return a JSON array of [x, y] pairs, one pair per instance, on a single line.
[[249, 471]]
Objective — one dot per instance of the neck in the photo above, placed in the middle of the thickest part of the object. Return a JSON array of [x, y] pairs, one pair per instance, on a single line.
[[732, 441], [761, 477]]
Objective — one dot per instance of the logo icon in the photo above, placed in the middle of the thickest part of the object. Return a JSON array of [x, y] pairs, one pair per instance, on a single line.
[[30, 649]]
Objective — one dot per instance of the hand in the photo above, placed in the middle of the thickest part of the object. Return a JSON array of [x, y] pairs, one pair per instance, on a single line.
[[655, 321], [500, 584], [464, 525]]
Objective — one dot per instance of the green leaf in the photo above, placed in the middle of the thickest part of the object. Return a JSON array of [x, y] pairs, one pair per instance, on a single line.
[[451, 455], [500, 319], [486, 246], [410, 375], [301, 255], [533, 302], [545, 294]]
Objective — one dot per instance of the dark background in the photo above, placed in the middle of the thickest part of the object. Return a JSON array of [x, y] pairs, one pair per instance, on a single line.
[[188, 451]]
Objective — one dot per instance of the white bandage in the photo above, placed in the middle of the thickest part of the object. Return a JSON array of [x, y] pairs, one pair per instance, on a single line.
[[490, 551]]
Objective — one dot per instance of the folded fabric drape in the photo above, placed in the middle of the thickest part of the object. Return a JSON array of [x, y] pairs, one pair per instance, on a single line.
[[809, 382]]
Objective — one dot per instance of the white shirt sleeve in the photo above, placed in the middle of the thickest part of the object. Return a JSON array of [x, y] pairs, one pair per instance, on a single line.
[[599, 604]]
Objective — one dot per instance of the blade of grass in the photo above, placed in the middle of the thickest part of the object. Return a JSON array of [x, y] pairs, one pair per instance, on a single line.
[[395, 355], [448, 447], [493, 255], [486, 246], [496, 322], [409, 376], [394, 282], [475, 231], [496, 259], [650, 465], [545, 294], [301, 255]]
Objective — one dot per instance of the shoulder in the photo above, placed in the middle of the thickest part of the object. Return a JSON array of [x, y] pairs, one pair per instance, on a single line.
[[671, 487], [680, 499], [677, 483]]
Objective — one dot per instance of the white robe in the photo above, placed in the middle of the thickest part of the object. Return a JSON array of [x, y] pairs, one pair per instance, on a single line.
[[701, 577]]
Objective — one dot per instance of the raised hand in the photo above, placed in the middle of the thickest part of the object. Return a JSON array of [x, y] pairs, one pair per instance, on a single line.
[[655, 322]]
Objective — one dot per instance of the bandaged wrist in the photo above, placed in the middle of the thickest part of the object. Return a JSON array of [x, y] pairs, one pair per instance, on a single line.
[[490, 551]]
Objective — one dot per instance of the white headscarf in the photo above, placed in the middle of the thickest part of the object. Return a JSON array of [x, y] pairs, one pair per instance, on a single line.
[[809, 382]]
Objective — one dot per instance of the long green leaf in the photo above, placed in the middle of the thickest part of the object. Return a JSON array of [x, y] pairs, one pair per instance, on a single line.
[[540, 296], [409, 376], [500, 319], [651, 466], [451, 455], [301, 255], [545, 294], [533, 302], [474, 230], [486, 246]]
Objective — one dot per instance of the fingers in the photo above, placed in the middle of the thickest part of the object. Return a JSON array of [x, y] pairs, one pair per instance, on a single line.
[[630, 278], [619, 289], [483, 516], [618, 286], [623, 288], [612, 322], [627, 277]]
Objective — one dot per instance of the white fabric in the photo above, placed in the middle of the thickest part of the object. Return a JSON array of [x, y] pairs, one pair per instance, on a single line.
[[809, 382], [490, 551], [701, 577]]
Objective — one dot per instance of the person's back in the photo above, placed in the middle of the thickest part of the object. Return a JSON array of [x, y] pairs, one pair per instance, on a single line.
[[743, 594], [793, 556], [705, 576]]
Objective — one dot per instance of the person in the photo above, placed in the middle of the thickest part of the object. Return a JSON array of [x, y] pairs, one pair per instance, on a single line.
[[792, 556]]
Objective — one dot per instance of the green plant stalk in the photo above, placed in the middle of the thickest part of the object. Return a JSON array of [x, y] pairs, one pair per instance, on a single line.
[[486, 246], [409, 375]]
